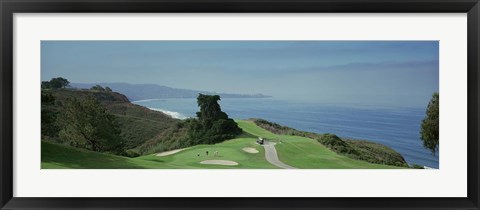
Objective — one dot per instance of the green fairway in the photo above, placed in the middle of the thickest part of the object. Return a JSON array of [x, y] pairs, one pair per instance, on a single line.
[[295, 151], [307, 153]]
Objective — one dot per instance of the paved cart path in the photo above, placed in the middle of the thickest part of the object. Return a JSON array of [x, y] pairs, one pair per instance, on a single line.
[[272, 157]]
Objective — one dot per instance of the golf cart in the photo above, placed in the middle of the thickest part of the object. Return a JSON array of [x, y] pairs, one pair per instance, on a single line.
[[260, 140]]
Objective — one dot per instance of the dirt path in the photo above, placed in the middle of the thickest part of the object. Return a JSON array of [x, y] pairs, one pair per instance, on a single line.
[[272, 157]]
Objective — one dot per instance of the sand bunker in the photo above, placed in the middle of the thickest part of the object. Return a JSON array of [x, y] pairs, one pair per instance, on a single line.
[[250, 150], [169, 152], [220, 162]]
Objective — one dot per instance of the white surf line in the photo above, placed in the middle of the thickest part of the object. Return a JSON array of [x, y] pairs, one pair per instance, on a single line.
[[146, 100], [272, 157], [176, 115]]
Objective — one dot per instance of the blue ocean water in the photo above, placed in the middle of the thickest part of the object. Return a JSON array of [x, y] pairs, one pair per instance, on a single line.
[[396, 127]]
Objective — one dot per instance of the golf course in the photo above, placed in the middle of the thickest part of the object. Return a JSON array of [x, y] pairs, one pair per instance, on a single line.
[[328, 108], [241, 152]]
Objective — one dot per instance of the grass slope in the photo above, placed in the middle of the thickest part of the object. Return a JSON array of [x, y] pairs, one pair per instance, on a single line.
[[56, 156], [299, 152]]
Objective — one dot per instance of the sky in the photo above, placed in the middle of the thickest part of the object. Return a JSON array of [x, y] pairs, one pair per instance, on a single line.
[[370, 72]]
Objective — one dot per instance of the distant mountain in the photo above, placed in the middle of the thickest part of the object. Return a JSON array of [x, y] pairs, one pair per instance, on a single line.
[[136, 92]]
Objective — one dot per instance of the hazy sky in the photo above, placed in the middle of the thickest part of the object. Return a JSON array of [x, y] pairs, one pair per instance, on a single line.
[[393, 72]]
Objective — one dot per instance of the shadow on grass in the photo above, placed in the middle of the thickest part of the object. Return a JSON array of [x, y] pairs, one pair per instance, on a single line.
[[60, 156], [246, 135], [155, 160]]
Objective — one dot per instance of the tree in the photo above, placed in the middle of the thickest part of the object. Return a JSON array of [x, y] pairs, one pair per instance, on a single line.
[[87, 124], [430, 125], [209, 109], [45, 85], [97, 87], [49, 127], [57, 83], [212, 125], [108, 89], [47, 99]]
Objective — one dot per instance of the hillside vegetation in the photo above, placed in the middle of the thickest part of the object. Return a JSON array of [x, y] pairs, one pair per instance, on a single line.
[[137, 124], [101, 120]]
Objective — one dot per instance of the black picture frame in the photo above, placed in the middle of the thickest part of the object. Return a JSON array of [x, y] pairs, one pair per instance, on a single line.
[[9, 7]]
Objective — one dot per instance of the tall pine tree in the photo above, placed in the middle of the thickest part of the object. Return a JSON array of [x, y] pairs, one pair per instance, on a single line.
[[430, 125]]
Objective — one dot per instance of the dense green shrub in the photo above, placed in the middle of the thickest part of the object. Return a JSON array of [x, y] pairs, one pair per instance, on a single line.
[[376, 153], [131, 153], [49, 127], [87, 124], [336, 144]]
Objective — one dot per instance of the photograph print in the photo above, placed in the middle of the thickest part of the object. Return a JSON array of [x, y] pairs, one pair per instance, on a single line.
[[240, 104]]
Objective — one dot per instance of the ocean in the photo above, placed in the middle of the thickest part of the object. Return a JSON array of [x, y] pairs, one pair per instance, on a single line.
[[396, 127]]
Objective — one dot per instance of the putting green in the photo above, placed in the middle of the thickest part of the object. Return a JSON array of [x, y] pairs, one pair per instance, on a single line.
[[231, 150]]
